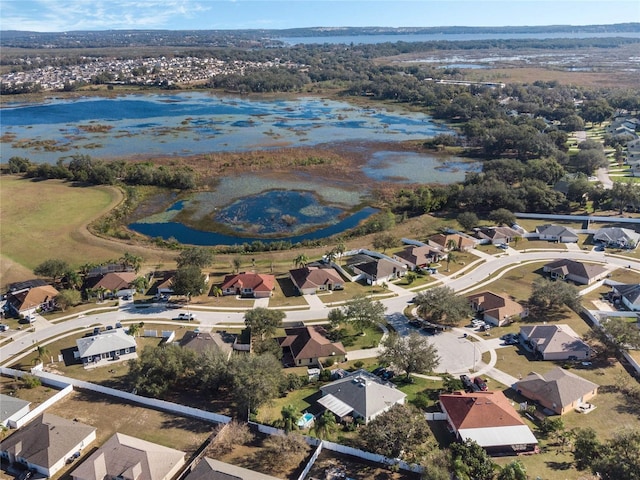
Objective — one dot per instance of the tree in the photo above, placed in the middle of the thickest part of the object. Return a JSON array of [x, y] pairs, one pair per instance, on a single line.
[[396, 432], [412, 354], [283, 451], [263, 321], [442, 305], [547, 295], [195, 257], [587, 161], [451, 383], [158, 370], [467, 220], [451, 257], [68, 298], [140, 283], [189, 281], [301, 261], [502, 216], [586, 447], [135, 328], [43, 353], [73, 279], [256, 380], [290, 416], [52, 268], [237, 263], [132, 260], [514, 470], [469, 461], [362, 312], [616, 336], [619, 458], [384, 240], [325, 425], [335, 317]]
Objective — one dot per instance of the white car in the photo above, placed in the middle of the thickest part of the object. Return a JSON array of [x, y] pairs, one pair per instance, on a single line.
[[187, 316], [585, 408]]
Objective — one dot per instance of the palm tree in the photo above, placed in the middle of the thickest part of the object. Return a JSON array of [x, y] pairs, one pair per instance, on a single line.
[[140, 283], [43, 352], [237, 263], [289, 417], [451, 257], [325, 425], [301, 261], [74, 280], [330, 256], [131, 260], [340, 249], [216, 291], [451, 244]]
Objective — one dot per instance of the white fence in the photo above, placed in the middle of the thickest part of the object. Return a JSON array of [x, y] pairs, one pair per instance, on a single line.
[[372, 457], [579, 218], [435, 416], [311, 462], [66, 390]]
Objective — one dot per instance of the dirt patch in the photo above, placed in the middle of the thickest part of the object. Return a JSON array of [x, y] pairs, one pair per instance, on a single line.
[[332, 464]]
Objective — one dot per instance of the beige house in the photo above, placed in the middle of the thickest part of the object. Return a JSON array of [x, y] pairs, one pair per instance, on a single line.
[[311, 279], [129, 458], [559, 390], [555, 342], [46, 443], [581, 273], [497, 310], [309, 346], [418, 256]]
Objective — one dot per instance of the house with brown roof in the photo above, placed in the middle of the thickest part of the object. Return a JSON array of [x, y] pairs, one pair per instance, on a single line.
[[304, 346], [442, 241], [496, 235], [312, 279], [130, 458], [249, 284], [113, 284], [418, 256], [488, 419], [559, 390], [28, 301], [495, 309], [360, 395], [581, 273], [45, 443], [555, 342]]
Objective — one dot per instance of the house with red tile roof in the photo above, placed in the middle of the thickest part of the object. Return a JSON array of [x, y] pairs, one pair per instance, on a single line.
[[304, 346], [249, 284], [311, 279], [488, 419], [495, 309]]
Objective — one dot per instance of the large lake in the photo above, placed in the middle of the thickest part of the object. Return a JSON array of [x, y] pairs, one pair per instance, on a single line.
[[191, 123], [249, 207]]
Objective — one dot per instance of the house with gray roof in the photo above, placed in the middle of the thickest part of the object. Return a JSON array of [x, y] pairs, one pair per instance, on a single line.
[[628, 295], [559, 390], [555, 342], [210, 469], [418, 256], [45, 443], [12, 409], [616, 237], [360, 395], [496, 235], [108, 346], [557, 233], [376, 270], [129, 458], [579, 272]]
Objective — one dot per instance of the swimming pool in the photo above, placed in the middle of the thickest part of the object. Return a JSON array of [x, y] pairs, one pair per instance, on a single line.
[[305, 420]]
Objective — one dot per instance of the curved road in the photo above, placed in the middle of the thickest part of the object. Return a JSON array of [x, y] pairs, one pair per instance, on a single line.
[[458, 355]]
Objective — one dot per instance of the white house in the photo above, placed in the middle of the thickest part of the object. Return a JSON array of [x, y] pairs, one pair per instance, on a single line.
[[557, 233], [12, 409]]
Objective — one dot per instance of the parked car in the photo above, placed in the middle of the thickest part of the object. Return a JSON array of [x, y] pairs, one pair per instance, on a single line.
[[482, 385], [118, 325], [3, 327], [378, 371], [467, 383], [96, 331], [187, 316]]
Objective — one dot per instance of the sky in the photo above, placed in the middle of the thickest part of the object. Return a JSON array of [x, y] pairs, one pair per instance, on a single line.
[[69, 15]]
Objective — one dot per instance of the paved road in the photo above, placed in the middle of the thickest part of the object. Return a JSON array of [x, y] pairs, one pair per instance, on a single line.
[[458, 355]]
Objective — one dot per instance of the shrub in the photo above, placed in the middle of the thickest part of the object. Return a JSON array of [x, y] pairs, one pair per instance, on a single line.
[[358, 364], [31, 381]]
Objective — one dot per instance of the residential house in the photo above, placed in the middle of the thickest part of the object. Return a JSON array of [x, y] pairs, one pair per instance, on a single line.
[[249, 284], [202, 341], [496, 235], [129, 458], [304, 346], [488, 419], [311, 279], [28, 301], [26, 285], [581, 273], [623, 126], [496, 309], [112, 284], [555, 342], [165, 287], [376, 270], [12, 409], [210, 469], [616, 237], [628, 295], [45, 443], [557, 233], [558, 390], [418, 256], [458, 241], [633, 151], [360, 395], [107, 346]]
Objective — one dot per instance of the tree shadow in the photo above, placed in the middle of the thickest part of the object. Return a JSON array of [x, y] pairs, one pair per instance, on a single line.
[[287, 287], [559, 465]]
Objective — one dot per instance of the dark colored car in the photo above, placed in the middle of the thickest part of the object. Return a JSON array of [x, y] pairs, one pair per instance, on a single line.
[[468, 384], [480, 383], [378, 371]]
